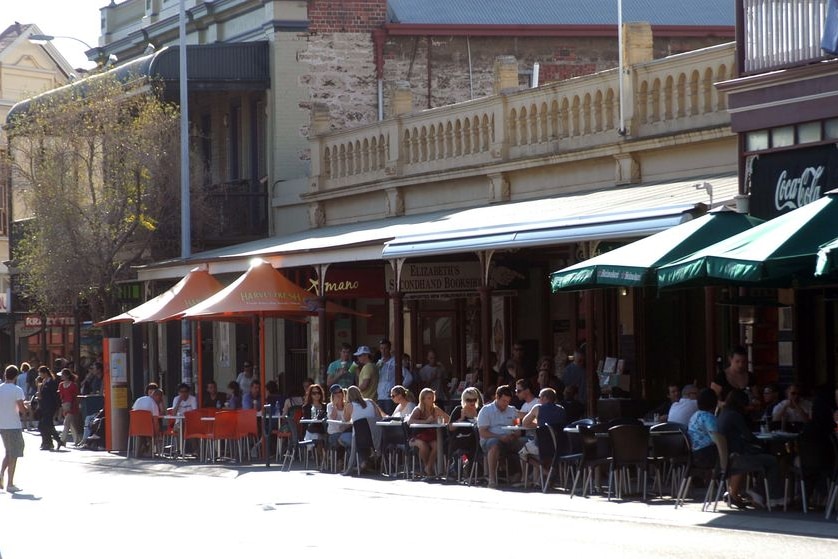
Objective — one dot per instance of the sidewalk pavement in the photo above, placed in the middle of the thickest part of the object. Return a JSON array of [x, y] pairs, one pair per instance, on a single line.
[[655, 511]]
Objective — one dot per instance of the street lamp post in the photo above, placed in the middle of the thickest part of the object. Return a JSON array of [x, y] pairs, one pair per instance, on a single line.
[[97, 56], [185, 206]]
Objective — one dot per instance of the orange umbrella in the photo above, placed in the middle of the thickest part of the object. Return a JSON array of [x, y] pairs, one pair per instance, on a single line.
[[195, 286], [263, 292]]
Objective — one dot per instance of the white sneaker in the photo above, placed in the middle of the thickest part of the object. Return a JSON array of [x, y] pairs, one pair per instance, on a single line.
[[757, 499]]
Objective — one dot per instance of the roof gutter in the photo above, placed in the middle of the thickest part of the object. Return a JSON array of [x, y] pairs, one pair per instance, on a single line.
[[413, 29]]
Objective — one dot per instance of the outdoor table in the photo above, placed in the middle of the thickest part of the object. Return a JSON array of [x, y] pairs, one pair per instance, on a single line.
[[440, 459], [312, 421], [338, 422], [776, 436], [518, 428], [463, 424], [178, 419]]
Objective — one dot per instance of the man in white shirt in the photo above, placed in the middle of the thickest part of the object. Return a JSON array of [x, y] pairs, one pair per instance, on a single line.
[[184, 401], [494, 439], [11, 429], [386, 376], [150, 403], [523, 390], [245, 377], [682, 410]]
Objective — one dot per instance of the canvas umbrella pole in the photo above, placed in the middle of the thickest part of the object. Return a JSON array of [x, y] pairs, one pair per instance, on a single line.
[[199, 349], [263, 377]]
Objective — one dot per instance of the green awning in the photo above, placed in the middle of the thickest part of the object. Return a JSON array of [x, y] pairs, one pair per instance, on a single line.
[[773, 253], [827, 258], [635, 264]]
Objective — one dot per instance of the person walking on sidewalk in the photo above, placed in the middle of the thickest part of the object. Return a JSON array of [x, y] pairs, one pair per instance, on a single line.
[[11, 429], [67, 392], [47, 406]]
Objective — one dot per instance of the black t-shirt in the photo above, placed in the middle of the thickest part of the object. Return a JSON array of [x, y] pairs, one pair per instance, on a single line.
[[721, 380]]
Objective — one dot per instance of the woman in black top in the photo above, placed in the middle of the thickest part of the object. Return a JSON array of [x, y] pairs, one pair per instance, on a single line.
[[47, 406], [746, 453]]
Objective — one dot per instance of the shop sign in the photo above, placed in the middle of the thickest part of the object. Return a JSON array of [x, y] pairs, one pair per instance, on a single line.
[[351, 283], [782, 182], [447, 277], [35, 321]]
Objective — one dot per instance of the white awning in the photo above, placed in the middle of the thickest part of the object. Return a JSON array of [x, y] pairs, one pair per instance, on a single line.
[[625, 212]]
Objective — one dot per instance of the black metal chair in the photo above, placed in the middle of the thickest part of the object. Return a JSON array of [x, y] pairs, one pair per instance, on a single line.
[[595, 453], [395, 448], [552, 444], [463, 449], [670, 455], [630, 449], [363, 444], [296, 444]]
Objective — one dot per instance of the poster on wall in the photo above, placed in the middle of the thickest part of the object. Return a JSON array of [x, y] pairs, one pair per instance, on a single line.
[[224, 344], [498, 329]]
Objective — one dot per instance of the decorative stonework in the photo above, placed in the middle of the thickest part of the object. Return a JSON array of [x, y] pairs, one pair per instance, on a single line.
[[499, 188], [626, 169], [393, 202], [317, 214]]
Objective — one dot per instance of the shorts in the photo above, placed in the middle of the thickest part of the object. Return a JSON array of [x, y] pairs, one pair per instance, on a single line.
[[505, 446], [13, 441]]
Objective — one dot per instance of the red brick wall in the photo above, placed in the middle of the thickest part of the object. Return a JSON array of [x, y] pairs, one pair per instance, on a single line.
[[346, 16]]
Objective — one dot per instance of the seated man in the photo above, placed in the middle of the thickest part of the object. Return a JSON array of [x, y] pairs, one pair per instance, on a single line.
[[151, 403], [682, 410], [673, 395], [184, 401], [793, 409], [546, 412], [494, 440], [574, 409], [252, 399]]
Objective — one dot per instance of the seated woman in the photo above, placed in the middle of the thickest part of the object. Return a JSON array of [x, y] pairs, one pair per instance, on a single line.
[[464, 439], [315, 408], [701, 425], [404, 401], [746, 454], [234, 396], [425, 439], [334, 410], [357, 407]]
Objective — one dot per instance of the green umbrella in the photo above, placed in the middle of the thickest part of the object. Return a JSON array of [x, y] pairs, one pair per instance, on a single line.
[[770, 254], [634, 264], [827, 258]]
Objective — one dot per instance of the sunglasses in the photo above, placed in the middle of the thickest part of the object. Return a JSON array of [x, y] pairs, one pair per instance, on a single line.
[[470, 400]]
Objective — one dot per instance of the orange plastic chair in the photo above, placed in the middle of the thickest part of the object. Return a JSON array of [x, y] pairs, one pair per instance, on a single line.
[[225, 428], [295, 412], [140, 424], [195, 429], [247, 426]]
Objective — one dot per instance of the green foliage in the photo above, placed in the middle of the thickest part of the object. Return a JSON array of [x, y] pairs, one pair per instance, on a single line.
[[96, 169]]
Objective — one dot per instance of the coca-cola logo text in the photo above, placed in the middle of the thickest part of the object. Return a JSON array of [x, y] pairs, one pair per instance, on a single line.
[[792, 193]]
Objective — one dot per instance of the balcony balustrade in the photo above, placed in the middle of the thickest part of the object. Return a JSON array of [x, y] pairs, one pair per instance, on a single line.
[[665, 96]]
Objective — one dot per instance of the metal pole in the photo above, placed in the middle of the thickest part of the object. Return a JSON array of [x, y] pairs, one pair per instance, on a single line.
[[185, 213], [185, 209], [622, 130]]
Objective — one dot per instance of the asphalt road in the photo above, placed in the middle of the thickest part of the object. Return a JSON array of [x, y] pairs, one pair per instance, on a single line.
[[85, 504]]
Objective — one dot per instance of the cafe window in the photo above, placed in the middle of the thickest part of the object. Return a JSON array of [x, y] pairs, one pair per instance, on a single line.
[[830, 128], [782, 136], [757, 140], [808, 132]]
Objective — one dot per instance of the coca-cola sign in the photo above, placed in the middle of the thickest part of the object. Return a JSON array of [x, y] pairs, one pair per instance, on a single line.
[[794, 192], [782, 182]]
